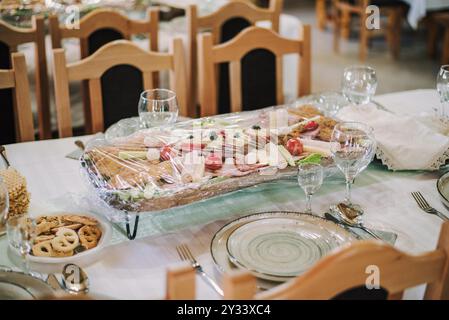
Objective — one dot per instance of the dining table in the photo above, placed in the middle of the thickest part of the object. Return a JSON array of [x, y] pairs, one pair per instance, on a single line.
[[137, 269]]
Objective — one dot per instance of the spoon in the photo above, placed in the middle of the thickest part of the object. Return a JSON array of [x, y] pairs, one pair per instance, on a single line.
[[74, 279], [80, 145], [348, 216]]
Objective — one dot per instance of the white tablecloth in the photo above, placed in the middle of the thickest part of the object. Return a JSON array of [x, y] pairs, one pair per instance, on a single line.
[[136, 269], [419, 8]]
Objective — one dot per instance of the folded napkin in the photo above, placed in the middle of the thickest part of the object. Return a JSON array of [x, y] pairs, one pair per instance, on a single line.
[[405, 142]]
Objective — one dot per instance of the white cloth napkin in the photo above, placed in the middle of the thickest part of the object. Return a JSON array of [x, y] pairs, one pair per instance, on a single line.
[[405, 142]]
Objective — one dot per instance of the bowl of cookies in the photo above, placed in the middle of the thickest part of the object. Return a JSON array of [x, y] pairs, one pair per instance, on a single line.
[[62, 238]]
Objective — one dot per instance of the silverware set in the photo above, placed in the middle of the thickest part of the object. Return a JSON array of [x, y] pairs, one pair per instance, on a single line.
[[426, 207], [186, 255]]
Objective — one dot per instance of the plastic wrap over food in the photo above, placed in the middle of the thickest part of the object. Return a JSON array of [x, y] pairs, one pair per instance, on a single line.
[[160, 168]]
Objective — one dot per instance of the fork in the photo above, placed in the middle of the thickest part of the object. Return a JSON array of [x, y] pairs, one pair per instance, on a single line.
[[186, 255], [425, 206]]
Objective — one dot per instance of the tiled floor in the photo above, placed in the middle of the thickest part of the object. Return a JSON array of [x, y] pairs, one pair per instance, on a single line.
[[413, 69]]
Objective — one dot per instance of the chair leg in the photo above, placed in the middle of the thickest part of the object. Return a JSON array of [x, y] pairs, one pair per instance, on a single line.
[[345, 24], [321, 14], [394, 31], [336, 19], [364, 39], [432, 33], [445, 56]]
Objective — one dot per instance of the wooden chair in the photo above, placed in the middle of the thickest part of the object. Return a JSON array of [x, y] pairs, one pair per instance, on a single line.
[[394, 10], [224, 24], [100, 27], [252, 39], [96, 70], [10, 38], [438, 21], [20, 120], [346, 269], [323, 15], [180, 282]]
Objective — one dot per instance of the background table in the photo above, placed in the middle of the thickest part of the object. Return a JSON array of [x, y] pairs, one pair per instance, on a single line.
[[419, 9], [136, 269]]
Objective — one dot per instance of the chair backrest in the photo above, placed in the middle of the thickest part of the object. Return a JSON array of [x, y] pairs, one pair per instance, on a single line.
[[21, 117], [10, 38], [98, 28], [224, 24], [96, 69], [347, 268], [102, 26], [253, 40], [180, 282]]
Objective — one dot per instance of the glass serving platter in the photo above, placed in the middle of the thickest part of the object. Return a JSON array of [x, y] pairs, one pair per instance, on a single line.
[[149, 170]]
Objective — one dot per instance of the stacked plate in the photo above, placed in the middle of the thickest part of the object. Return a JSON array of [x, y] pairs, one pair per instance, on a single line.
[[276, 246]]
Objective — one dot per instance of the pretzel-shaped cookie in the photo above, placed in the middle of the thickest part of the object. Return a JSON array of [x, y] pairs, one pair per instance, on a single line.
[[66, 240], [89, 236], [43, 249]]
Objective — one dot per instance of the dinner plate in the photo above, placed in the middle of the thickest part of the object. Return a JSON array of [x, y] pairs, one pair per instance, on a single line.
[[443, 188], [16, 285], [83, 259], [219, 242]]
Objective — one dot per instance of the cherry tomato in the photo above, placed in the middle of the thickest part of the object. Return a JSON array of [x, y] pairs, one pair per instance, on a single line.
[[312, 125], [295, 147]]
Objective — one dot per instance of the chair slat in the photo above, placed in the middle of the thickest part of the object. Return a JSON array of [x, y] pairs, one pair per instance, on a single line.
[[235, 70]]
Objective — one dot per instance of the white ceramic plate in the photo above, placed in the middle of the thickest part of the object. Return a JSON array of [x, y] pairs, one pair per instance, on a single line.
[[336, 235], [443, 188], [83, 259]]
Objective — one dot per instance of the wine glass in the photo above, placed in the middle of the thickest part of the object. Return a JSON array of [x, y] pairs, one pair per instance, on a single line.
[[359, 84], [353, 148], [158, 107], [4, 204], [21, 232], [310, 179], [443, 91]]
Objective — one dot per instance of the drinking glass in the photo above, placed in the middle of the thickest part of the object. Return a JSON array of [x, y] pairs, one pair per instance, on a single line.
[[158, 107], [310, 179], [4, 204], [331, 102], [443, 91], [353, 147], [21, 232], [359, 84]]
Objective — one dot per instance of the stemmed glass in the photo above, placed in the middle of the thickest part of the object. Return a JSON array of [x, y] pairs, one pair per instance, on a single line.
[[21, 232], [443, 91], [353, 148], [158, 107], [359, 84], [310, 179]]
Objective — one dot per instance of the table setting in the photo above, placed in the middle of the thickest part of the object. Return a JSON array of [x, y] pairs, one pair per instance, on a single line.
[[269, 191]]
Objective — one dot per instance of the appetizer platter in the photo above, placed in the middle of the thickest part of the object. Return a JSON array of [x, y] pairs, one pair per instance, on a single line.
[[160, 168]]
